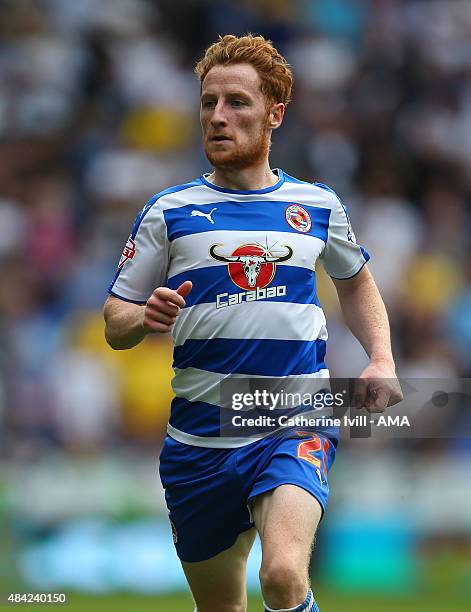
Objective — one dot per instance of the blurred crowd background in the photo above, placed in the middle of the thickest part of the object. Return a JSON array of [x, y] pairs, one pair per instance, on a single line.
[[99, 111]]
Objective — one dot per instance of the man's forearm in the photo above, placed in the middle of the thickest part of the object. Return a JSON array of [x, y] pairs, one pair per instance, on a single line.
[[128, 323], [123, 323], [366, 316]]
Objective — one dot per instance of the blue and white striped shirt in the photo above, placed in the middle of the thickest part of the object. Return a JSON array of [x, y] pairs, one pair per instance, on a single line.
[[253, 310]]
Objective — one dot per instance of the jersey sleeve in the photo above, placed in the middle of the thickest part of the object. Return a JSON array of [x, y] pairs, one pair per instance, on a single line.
[[342, 257], [144, 261]]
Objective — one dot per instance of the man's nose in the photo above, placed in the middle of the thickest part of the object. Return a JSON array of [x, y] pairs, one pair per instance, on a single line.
[[218, 116]]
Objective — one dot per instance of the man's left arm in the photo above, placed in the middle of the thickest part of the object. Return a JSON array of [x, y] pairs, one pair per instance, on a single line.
[[366, 316]]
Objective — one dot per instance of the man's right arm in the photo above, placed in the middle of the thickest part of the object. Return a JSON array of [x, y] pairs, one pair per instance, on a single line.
[[124, 323], [127, 323]]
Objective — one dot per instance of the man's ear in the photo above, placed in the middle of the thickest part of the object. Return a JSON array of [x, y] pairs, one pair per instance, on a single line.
[[276, 115]]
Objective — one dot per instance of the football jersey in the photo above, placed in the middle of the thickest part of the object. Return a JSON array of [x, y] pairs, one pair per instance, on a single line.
[[253, 310]]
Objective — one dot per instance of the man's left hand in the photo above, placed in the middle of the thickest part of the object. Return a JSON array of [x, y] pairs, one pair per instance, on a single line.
[[377, 387]]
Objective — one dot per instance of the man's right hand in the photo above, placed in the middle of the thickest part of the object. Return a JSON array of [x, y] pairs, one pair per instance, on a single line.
[[163, 308]]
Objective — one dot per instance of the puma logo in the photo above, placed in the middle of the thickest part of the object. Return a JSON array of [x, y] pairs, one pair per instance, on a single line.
[[198, 213], [322, 481]]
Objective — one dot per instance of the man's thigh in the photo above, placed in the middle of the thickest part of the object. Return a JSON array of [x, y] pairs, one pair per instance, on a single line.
[[288, 499], [219, 584], [287, 518], [205, 498], [302, 458]]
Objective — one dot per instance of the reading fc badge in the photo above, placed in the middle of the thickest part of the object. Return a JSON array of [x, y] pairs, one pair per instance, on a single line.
[[298, 218]]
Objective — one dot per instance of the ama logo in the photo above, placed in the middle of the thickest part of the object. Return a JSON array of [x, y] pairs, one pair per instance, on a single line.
[[251, 265]]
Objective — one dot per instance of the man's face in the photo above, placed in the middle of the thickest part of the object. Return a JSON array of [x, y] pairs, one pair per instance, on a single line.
[[234, 117]]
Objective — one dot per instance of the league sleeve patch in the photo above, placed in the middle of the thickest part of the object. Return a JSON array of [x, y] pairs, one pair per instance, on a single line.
[[128, 252]]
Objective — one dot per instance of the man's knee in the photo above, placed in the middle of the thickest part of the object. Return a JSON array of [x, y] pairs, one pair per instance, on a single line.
[[284, 581], [222, 607]]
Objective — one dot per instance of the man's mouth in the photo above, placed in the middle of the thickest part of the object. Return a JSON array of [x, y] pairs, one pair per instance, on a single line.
[[220, 138]]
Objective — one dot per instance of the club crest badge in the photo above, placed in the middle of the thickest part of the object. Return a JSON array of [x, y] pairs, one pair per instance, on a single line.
[[298, 218]]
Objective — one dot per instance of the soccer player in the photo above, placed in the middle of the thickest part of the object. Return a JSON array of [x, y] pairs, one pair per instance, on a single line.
[[226, 263]]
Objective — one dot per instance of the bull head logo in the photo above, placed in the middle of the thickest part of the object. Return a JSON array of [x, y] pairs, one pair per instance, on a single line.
[[252, 260]]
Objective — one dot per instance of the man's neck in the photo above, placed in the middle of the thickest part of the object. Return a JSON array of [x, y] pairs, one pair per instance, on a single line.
[[249, 179]]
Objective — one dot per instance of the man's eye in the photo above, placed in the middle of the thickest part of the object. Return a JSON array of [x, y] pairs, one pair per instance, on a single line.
[[237, 103], [208, 104]]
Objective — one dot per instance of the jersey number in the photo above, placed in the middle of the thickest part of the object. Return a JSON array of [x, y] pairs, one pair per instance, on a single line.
[[307, 449]]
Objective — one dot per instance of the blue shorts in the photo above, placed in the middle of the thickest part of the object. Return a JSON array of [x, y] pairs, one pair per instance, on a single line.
[[209, 491]]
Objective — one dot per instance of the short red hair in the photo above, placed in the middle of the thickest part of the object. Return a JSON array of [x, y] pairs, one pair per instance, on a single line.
[[273, 69]]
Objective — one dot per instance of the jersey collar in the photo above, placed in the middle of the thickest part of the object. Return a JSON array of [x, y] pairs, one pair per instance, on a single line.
[[277, 185]]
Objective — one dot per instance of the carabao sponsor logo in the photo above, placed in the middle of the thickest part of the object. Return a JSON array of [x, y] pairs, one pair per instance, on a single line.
[[231, 299], [250, 267]]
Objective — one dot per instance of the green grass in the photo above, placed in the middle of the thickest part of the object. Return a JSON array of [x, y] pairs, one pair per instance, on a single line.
[[329, 602]]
